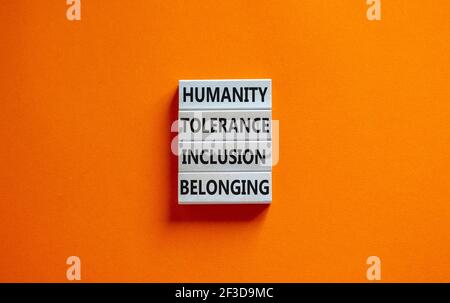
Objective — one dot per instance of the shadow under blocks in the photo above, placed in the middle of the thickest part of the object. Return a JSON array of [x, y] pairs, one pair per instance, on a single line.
[[216, 212]]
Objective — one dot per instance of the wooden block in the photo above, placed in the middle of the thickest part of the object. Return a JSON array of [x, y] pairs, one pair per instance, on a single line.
[[225, 94], [225, 125], [225, 148], [225, 188], [220, 156]]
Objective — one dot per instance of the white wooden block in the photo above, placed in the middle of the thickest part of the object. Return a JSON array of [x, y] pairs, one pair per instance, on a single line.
[[225, 125], [225, 94], [209, 156], [225, 132], [225, 188]]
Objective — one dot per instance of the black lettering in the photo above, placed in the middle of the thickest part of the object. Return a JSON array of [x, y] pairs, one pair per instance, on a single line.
[[264, 187], [186, 94], [237, 94], [184, 187], [224, 187], [211, 97], [252, 187], [208, 188], [225, 95], [260, 156], [197, 98], [263, 93], [253, 90], [235, 189]]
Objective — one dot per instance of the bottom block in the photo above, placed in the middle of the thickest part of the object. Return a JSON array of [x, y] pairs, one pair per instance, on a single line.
[[225, 188]]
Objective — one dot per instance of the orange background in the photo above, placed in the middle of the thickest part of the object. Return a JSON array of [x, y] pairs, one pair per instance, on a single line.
[[85, 162]]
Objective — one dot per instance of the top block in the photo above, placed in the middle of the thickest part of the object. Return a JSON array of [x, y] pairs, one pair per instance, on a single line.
[[225, 94]]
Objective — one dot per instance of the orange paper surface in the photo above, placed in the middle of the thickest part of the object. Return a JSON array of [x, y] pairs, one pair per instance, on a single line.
[[85, 162]]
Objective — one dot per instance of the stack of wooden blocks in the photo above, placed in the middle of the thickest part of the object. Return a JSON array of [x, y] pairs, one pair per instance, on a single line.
[[225, 141]]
